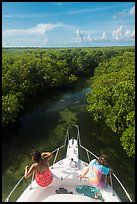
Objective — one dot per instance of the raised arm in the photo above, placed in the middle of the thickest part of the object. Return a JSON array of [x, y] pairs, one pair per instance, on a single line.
[[46, 155]]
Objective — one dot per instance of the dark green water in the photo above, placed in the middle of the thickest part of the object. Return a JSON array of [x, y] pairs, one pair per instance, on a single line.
[[43, 126]]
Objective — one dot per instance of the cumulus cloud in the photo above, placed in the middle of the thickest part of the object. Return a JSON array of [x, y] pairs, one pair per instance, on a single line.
[[133, 34], [80, 35], [121, 33], [129, 34], [104, 36], [84, 36], [117, 34], [89, 37]]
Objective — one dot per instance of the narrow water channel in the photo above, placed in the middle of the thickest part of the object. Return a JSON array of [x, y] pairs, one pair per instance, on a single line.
[[43, 126]]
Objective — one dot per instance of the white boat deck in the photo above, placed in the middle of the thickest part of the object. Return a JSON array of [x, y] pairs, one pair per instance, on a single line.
[[64, 176]]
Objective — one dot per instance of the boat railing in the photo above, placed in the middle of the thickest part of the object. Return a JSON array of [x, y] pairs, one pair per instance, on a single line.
[[8, 197], [89, 152], [67, 138], [122, 187], [88, 156], [56, 150]]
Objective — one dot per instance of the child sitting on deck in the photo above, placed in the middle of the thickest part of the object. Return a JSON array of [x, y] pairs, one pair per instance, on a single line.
[[43, 174]]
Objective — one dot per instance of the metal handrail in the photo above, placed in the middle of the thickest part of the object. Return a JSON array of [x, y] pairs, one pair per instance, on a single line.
[[111, 184], [122, 187], [57, 151], [8, 197], [32, 178], [110, 174], [87, 151]]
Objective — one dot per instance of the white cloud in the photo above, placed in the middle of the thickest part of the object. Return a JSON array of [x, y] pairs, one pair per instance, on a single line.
[[40, 29], [39, 33], [84, 36], [80, 35], [40, 15], [133, 34], [121, 33], [117, 33], [125, 12], [72, 12], [89, 37], [132, 10], [104, 36]]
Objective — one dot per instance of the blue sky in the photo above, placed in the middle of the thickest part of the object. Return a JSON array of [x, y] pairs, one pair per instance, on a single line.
[[68, 24]]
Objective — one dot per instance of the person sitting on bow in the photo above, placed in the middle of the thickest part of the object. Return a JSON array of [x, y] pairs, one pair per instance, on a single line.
[[40, 167], [97, 171]]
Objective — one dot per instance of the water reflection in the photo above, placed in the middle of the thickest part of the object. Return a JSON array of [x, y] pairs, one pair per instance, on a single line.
[[43, 126]]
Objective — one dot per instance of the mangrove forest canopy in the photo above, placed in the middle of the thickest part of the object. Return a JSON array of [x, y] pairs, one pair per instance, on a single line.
[[27, 72]]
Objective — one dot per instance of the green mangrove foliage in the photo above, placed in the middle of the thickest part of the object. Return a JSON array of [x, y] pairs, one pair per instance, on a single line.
[[27, 72], [113, 97], [10, 107]]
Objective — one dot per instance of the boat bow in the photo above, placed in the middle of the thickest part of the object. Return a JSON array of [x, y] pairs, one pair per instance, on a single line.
[[65, 178]]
